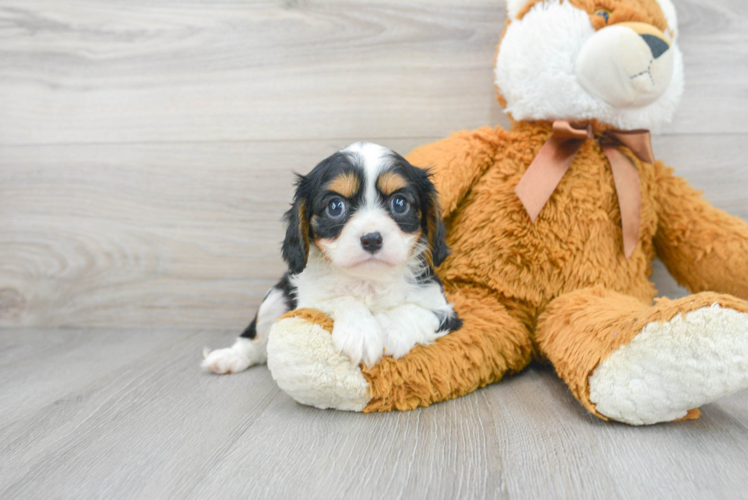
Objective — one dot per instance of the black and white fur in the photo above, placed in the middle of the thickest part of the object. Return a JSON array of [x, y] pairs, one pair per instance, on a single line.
[[366, 259]]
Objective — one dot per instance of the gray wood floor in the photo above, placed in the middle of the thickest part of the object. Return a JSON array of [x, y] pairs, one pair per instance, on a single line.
[[146, 151], [126, 414]]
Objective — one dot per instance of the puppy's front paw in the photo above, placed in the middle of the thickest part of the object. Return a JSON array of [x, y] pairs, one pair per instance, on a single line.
[[405, 327], [398, 341], [234, 359], [360, 339]]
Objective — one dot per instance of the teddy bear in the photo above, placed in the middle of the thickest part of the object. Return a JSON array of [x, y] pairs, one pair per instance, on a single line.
[[553, 227]]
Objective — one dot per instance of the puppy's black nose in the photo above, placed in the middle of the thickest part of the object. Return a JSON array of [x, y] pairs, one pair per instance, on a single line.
[[371, 242]]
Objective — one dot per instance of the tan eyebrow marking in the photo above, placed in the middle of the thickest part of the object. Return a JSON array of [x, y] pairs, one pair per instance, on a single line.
[[345, 184], [389, 182]]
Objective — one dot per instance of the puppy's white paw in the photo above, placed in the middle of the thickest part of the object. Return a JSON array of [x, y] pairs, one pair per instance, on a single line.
[[398, 340], [360, 339], [237, 358], [406, 326], [223, 361]]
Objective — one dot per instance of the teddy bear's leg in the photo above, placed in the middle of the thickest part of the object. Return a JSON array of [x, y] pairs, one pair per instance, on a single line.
[[625, 360], [491, 342]]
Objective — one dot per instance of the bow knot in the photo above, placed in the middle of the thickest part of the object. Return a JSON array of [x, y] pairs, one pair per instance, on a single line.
[[557, 154]]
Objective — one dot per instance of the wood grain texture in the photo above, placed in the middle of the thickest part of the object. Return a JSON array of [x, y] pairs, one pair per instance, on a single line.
[[170, 234], [175, 71], [148, 424], [117, 235]]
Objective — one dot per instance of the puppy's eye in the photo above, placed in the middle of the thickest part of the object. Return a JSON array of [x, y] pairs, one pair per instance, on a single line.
[[400, 205], [605, 14], [336, 208]]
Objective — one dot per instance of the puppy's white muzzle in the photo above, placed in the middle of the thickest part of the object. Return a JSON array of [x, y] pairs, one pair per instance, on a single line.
[[349, 253], [627, 65]]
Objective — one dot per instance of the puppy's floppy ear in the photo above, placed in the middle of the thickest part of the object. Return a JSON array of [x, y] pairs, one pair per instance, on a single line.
[[436, 233], [296, 245]]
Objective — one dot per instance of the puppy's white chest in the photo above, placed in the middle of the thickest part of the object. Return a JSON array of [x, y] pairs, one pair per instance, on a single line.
[[325, 294], [372, 317], [378, 300]]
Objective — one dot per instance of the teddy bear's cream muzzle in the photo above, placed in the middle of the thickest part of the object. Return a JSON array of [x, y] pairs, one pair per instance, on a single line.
[[627, 65]]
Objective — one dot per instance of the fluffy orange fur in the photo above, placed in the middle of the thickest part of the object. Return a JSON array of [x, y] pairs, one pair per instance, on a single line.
[[492, 343], [642, 11]]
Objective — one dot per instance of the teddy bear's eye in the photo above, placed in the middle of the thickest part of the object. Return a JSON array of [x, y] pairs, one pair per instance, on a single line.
[[605, 14]]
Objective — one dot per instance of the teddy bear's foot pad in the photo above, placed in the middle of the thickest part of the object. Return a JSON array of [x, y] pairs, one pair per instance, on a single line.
[[672, 367], [306, 365]]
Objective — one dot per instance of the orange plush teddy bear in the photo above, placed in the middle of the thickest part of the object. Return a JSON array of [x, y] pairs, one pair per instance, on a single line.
[[553, 227]]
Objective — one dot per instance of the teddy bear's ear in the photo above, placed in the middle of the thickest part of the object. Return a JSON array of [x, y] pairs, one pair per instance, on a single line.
[[513, 7], [671, 17]]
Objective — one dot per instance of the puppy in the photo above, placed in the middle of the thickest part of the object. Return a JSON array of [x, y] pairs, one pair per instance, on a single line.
[[363, 237]]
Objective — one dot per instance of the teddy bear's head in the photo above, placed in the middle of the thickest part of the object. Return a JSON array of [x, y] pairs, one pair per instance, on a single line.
[[615, 61]]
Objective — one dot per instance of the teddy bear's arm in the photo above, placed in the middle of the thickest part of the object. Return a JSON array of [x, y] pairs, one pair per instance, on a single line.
[[704, 248], [458, 161]]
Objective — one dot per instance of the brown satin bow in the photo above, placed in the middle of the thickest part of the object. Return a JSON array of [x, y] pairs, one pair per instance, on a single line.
[[555, 157]]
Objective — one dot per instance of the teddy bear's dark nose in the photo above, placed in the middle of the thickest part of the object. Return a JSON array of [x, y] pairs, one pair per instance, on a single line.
[[371, 242], [657, 45]]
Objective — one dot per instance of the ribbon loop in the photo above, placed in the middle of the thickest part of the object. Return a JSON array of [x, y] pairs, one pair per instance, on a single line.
[[556, 156], [628, 189], [638, 141], [563, 129]]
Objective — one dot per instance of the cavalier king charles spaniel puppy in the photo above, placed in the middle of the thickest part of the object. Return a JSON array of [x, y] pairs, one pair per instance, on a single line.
[[363, 237]]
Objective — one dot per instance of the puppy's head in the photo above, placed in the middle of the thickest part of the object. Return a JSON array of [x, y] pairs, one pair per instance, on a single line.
[[368, 211]]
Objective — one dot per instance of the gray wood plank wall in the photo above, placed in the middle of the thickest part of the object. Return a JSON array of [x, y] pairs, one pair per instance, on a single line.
[[147, 148]]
